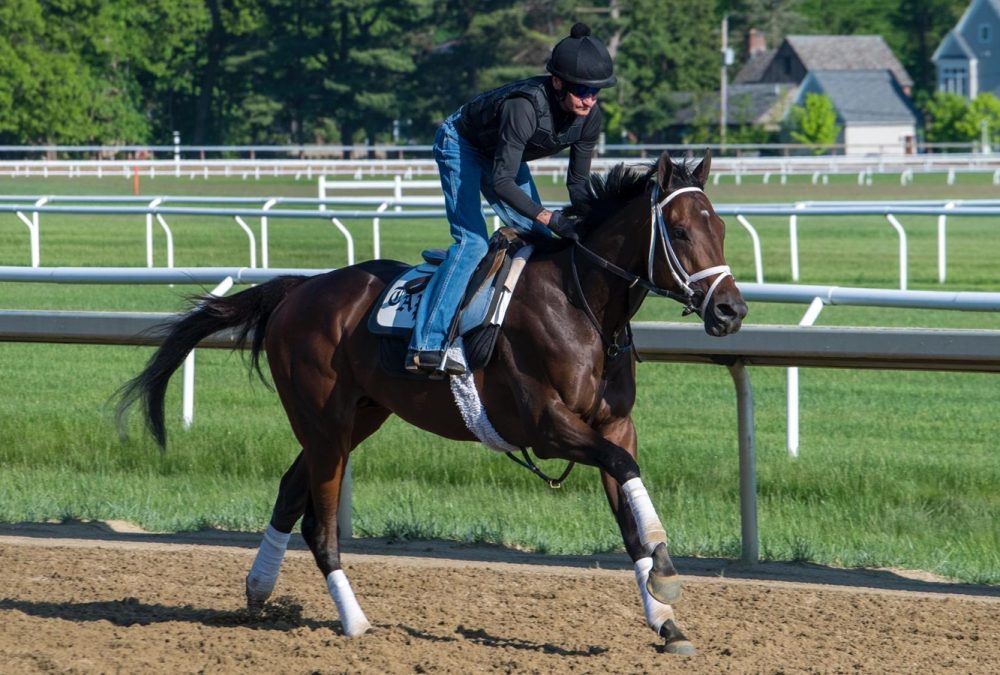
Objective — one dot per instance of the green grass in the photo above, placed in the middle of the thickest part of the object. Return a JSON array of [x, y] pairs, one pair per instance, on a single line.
[[896, 468]]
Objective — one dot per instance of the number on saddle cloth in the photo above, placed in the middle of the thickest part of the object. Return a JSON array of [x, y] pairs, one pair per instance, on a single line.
[[481, 312]]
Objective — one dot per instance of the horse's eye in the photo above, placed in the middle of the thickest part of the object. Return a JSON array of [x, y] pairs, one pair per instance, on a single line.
[[679, 234]]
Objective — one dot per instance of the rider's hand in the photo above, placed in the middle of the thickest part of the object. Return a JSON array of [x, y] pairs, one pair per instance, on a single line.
[[563, 225]]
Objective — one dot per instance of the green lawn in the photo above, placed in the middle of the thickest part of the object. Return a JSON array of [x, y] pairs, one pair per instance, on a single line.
[[896, 468]]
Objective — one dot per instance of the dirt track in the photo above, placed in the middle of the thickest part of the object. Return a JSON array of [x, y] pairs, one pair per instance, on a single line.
[[87, 598]]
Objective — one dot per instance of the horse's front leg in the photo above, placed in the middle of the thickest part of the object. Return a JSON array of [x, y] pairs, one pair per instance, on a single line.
[[569, 437], [659, 615]]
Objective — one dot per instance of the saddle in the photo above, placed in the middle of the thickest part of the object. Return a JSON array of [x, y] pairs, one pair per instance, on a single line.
[[480, 314]]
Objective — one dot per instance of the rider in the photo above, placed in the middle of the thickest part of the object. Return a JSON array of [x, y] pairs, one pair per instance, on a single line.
[[484, 146]]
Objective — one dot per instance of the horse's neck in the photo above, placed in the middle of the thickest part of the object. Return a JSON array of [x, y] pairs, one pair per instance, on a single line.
[[623, 240]]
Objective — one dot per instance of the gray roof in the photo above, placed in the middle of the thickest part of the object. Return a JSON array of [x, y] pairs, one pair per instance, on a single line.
[[848, 52], [953, 46], [759, 103], [862, 96], [753, 69]]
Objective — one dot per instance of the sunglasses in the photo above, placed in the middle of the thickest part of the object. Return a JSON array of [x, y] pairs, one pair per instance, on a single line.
[[583, 91]]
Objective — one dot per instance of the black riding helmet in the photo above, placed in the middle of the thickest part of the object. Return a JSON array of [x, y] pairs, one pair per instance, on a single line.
[[582, 59]]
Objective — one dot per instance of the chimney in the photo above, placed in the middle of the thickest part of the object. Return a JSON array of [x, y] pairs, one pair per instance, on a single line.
[[756, 43]]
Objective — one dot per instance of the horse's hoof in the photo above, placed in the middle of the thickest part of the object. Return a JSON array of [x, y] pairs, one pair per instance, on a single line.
[[256, 599], [681, 647], [676, 641], [356, 628], [665, 589]]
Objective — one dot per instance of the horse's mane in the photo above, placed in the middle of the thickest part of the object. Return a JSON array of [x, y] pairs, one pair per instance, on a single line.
[[608, 193]]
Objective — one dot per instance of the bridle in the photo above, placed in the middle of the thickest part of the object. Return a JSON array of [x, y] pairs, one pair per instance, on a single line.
[[658, 230], [684, 280]]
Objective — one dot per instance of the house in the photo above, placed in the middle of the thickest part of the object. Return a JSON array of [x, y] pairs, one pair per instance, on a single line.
[[874, 114], [968, 58], [798, 55], [759, 105], [869, 87]]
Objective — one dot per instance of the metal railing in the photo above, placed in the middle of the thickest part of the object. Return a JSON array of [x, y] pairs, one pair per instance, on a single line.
[[893, 348], [815, 296], [156, 210]]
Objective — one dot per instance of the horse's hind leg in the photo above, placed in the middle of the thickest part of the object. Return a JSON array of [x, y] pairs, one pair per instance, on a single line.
[[289, 506], [319, 528], [293, 492]]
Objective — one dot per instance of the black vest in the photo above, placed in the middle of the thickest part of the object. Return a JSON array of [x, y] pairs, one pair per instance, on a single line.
[[479, 122]]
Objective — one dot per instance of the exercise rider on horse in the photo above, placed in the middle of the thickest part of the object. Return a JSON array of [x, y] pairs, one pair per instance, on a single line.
[[485, 146]]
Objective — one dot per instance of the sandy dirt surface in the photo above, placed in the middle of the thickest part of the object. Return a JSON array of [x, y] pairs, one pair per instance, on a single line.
[[83, 598]]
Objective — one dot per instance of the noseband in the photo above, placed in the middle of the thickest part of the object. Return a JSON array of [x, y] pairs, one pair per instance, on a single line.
[[658, 225]]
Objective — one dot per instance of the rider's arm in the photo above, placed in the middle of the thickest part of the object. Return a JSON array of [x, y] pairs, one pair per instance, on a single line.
[[580, 155], [517, 124]]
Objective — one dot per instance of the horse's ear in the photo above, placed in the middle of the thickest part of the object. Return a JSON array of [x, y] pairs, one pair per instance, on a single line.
[[701, 171], [664, 170]]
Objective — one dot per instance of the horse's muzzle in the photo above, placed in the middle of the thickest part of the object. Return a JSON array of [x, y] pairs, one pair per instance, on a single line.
[[725, 314]]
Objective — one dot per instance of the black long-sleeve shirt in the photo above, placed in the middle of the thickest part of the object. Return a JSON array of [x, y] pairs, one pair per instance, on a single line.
[[517, 124]]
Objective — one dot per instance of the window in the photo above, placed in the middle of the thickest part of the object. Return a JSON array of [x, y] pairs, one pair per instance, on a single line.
[[955, 80], [985, 33]]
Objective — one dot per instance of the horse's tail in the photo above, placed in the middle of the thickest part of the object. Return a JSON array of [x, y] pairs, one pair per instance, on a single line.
[[247, 312]]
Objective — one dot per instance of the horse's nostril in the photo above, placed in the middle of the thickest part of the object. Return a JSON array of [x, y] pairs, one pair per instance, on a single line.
[[725, 312]]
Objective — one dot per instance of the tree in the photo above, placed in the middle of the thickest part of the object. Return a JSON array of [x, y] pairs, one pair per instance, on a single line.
[[944, 113], [774, 18], [815, 123], [470, 46], [59, 81], [667, 46], [983, 114], [917, 28]]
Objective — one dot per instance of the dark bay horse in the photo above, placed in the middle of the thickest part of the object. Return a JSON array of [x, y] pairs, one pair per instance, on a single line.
[[561, 380]]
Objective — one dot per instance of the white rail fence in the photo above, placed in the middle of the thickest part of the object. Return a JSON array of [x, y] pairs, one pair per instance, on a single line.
[[818, 168], [754, 345], [239, 209]]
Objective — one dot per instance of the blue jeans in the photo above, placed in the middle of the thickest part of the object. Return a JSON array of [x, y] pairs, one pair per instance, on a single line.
[[465, 172]]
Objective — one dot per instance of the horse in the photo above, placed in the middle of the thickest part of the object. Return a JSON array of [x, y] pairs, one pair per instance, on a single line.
[[561, 379]]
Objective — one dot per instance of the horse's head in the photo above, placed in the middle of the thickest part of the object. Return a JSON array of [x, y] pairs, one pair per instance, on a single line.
[[686, 246]]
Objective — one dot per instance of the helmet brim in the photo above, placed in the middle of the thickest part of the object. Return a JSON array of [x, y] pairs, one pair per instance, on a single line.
[[600, 84]]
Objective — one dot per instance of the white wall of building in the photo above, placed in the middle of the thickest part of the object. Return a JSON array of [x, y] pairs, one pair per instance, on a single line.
[[886, 139]]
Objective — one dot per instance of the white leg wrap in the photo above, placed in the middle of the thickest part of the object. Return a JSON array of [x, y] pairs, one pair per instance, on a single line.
[[351, 617], [264, 572], [651, 532], [656, 612]]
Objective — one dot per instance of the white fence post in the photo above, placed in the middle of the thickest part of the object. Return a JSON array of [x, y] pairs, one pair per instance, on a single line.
[[34, 238], [903, 273], [264, 260], [187, 390], [252, 238], [792, 376], [149, 232], [793, 240], [376, 232], [758, 259], [942, 255]]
